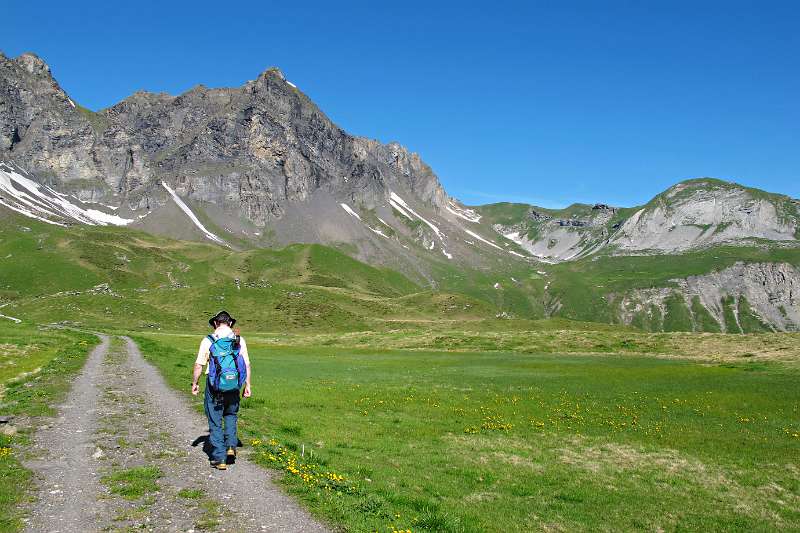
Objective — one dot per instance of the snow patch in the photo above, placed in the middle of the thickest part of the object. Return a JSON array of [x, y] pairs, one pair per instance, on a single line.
[[105, 218], [191, 215], [70, 102], [30, 214], [400, 209], [395, 199], [379, 232], [356, 215], [498, 286], [466, 214], [447, 255], [350, 211], [290, 83], [25, 196], [512, 252], [475, 235]]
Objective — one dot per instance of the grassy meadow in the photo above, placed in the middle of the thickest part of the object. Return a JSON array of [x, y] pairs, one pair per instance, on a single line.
[[375, 439], [390, 406]]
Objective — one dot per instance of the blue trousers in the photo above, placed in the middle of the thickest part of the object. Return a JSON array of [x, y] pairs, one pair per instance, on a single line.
[[221, 407]]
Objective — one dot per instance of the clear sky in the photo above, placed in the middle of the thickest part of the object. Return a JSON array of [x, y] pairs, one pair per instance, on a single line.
[[541, 102]]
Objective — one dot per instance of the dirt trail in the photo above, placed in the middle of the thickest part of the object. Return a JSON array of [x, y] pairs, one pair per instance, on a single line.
[[122, 424], [70, 485]]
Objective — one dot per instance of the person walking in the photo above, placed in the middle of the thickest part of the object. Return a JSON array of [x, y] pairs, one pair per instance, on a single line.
[[224, 354]]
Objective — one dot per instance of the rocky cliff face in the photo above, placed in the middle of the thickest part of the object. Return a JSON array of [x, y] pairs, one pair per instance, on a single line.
[[562, 235], [257, 165], [259, 148], [703, 212], [691, 215], [743, 297]]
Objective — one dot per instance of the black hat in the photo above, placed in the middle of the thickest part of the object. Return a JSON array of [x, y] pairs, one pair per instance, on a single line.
[[222, 316]]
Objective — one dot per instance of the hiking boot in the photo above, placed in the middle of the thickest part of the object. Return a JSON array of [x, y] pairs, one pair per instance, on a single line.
[[219, 465], [231, 452]]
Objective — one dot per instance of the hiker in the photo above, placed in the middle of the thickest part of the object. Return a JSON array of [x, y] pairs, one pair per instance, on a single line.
[[225, 353]]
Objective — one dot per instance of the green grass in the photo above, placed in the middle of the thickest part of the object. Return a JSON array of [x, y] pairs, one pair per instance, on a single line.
[[747, 318], [703, 319], [729, 315], [191, 494], [98, 120], [36, 368], [133, 483], [443, 441], [677, 316], [160, 283], [422, 409]]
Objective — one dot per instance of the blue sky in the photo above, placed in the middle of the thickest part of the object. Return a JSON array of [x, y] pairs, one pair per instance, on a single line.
[[540, 102]]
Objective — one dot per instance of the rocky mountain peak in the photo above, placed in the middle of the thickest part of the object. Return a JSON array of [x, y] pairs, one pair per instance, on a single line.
[[273, 72], [33, 64], [702, 183], [252, 155]]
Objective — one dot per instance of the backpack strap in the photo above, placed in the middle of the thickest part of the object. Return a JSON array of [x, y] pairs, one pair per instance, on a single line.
[[213, 343], [213, 361]]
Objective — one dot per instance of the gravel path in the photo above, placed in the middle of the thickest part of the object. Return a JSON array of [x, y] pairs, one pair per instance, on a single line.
[[70, 483], [121, 422]]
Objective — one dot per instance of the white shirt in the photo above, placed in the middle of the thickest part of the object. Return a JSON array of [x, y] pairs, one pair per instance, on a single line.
[[223, 331]]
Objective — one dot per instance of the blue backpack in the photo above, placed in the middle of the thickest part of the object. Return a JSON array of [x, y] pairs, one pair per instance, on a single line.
[[226, 368]]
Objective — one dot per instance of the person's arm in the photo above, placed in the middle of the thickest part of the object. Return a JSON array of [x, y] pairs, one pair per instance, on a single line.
[[202, 359], [198, 369], [243, 347]]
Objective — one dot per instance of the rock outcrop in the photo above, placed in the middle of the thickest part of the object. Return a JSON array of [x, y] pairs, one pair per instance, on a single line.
[[743, 297], [257, 148], [704, 212], [561, 235], [257, 165]]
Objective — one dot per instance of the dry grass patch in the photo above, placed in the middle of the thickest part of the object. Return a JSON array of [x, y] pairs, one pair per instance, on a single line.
[[612, 461], [493, 450], [621, 457], [482, 496], [783, 347]]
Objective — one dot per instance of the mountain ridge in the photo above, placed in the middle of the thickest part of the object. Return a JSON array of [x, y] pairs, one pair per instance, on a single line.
[[262, 158], [261, 166]]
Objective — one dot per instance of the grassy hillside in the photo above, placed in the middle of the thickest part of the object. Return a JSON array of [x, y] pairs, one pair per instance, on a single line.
[[114, 277], [521, 215], [119, 278]]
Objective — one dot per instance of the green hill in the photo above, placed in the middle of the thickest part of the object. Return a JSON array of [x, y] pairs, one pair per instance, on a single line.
[[112, 277]]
